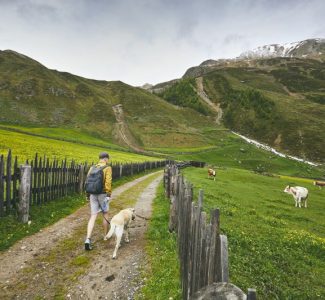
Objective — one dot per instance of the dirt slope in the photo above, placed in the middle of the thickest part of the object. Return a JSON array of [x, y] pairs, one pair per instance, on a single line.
[[202, 94]]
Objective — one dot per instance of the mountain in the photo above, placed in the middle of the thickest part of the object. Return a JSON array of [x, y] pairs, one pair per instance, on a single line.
[[279, 101], [33, 95], [311, 48]]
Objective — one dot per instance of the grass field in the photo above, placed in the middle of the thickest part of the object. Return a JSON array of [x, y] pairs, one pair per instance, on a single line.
[[25, 146], [64, 134], [273, 246]]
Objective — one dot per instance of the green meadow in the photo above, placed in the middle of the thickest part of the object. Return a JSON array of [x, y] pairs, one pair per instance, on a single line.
[[25, 146], [64, 134], [273, 246]]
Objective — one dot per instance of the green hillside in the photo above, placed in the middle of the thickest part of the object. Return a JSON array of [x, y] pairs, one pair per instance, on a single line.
[[32, 95], [278, 101]]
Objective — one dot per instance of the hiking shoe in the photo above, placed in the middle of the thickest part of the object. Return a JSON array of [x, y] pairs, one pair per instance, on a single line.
[[88, 245]]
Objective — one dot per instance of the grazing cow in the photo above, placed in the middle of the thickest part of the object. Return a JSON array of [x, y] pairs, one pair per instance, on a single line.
[[299, 194], [320, 184], [212, 173]]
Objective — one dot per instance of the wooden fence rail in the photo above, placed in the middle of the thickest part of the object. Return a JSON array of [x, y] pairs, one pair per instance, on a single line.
[[52, 179], [203, 251]]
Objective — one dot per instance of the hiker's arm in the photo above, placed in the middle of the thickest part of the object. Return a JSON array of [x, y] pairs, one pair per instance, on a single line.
[[108, 180], [87, 194]]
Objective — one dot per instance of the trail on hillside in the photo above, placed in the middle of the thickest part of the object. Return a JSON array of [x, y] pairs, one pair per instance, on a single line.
[[53, 262], [122, 129], [215, 107], [296, 95]]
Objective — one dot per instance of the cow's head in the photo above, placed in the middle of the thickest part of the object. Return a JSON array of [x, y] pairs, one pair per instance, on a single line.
[[287, 189]]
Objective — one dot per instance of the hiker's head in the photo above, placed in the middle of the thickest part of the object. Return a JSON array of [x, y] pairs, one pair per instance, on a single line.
[[104, 156]]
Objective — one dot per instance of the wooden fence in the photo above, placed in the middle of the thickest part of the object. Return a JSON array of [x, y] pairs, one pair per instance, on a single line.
[[52, 179], [203, 251]]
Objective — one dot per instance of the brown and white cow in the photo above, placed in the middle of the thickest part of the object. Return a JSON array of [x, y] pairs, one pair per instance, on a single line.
[[320, 184], [212, 173]]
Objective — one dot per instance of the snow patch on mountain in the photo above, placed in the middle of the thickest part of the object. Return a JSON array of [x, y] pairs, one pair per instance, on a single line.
[[281, 50], [274, 50]]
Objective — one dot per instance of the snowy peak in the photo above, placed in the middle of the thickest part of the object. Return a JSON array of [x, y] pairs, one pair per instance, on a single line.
[[307, 48], [273, 50]]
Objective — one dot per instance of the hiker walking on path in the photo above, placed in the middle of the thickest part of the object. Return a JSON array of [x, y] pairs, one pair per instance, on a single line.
[[98, 187]]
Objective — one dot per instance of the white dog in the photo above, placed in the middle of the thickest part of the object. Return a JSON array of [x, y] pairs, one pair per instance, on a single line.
[[119, 223]]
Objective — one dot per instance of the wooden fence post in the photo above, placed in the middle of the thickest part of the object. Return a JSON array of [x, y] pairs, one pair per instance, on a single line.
[[24, 193], [8, 183], [222, 259], [121, 170], [2, 173], [251, 294], [81, 179], [213, 252], [219, 290]]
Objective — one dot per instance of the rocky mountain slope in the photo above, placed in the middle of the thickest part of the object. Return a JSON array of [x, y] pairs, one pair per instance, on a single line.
[[311, 48]]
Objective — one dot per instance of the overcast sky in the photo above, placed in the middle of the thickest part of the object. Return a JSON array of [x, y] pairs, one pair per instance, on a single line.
[[139, 41]]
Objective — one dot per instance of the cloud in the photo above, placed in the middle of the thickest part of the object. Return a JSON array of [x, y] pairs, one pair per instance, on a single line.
[[150, 41]]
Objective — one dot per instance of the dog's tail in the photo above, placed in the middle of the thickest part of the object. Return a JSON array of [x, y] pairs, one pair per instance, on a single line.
[[111, 231]]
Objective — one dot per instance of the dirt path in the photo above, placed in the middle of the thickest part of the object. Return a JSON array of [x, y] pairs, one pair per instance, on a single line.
[[205, 98], [38, 265], [115, 279]]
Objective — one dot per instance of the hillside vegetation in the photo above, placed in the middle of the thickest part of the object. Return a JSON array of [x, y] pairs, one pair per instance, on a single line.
[[272, 104], [278, 101], [183, 93]]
